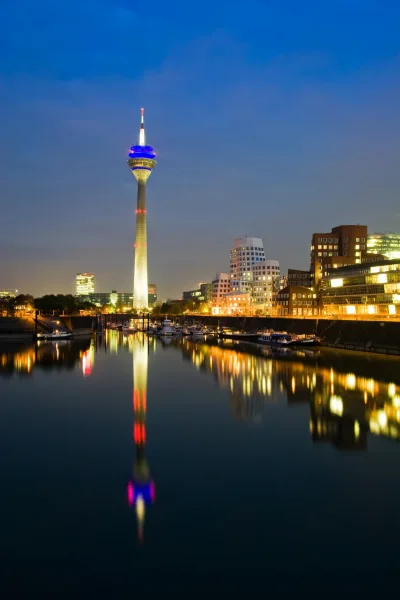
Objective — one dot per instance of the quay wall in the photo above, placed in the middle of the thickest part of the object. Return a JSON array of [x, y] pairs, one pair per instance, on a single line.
[[367, 336], [14, 328]]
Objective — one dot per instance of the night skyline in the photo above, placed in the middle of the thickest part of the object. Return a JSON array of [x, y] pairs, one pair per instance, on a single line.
[[274, 122]]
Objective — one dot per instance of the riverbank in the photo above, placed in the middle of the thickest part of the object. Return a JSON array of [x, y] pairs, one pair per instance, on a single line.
[[381, 337], [21, 328]]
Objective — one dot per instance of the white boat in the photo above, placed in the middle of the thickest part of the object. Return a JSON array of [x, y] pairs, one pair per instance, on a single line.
[[54, 335], [168, 329]]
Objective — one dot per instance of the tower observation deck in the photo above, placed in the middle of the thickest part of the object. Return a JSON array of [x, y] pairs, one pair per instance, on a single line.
[[141, 161]]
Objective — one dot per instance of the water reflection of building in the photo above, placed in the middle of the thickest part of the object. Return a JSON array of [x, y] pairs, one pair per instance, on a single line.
[[87, 359], [23, 359], [246, 377], [344, 407], [141, 489]]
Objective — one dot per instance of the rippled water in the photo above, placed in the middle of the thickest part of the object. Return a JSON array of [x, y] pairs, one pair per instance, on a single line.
[[129, 466]]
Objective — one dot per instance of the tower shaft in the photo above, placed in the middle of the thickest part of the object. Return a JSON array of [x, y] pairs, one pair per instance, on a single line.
[[140, 277], [141, 161]]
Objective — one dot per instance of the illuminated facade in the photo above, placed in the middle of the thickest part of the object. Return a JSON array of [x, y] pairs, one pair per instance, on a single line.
[[384, 244], [266, 280], [344, 245], [296, 301], [141, 161], [366, 289], [84, 284], [141, 489], [8, 294]]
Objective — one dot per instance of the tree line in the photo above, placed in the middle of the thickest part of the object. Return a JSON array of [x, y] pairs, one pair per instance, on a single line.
[[48, 304]]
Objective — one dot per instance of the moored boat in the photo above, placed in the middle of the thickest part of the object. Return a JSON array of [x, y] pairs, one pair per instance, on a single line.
[[276, 339], [167, 329], [53, 335], [244, 336]]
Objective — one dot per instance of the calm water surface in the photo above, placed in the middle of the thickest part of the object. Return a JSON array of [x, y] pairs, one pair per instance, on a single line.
[[133, 466]]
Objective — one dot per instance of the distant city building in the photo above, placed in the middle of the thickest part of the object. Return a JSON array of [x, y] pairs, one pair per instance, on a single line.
[[84, 284], [122, 300], [8, 294], [384, 244], [366, 289], [191, 295], [152, 294], [202, 294], [246, 252], [113, 298], [103, 298], [296, 301], [343, 245]]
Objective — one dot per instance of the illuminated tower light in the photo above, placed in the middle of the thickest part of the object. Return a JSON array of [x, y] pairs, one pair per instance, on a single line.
[[141, 161]]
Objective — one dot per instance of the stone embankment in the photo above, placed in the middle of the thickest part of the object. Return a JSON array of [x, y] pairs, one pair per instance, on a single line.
[[366, 336]]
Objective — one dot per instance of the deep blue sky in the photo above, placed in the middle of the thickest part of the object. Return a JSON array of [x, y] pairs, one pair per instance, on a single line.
[[272, 118]]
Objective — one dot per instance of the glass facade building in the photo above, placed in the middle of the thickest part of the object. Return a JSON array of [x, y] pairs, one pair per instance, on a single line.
[[366, 289], [385, 244]]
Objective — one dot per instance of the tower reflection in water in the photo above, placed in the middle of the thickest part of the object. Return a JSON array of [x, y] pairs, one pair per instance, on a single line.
[[141, 489], [344, 406]]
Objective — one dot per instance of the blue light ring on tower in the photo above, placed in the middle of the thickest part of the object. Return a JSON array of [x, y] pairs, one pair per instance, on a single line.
[[142, 152]]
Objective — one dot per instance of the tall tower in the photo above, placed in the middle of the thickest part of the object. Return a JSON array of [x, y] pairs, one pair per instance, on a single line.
[[141, 161], [141, 489]]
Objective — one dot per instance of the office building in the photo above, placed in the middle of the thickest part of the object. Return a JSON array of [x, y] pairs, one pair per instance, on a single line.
[[206, 290], [236, 303], [296, 301], [343, 245], [84, 284], [114, 298], [299, 277], [386, 245], [363, 289], [193, 295], [141, 161], [202, 294]]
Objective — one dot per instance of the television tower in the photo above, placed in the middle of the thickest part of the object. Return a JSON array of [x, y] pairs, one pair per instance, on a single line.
[[141, 161]]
